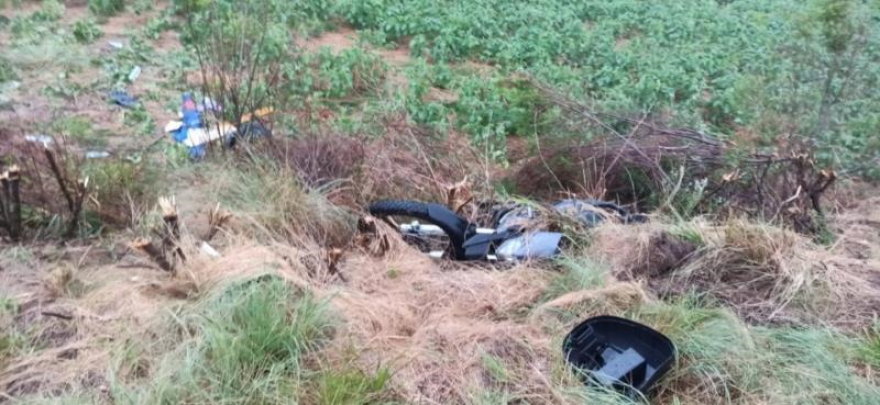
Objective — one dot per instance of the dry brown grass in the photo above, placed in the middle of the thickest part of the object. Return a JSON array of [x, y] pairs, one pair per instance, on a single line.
[[413, 163], [765, 273], [451, 333]]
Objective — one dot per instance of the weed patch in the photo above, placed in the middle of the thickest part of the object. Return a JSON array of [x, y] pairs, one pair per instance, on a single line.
[[7, 72], [86, 31], [575, 274], [246, 343], [274, 199], [106, 8], [721, 358]]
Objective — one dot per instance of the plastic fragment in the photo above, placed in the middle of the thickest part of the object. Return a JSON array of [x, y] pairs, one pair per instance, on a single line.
[[45, 140], [123, 99], [97, 154], [134, 74]]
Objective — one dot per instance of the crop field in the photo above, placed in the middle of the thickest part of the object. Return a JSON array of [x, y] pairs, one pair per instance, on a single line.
[[184, 193]]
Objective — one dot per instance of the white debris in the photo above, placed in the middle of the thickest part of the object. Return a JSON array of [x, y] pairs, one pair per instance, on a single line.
[[97, 154], [172, 126], [46, 140], [208, 250], [134, 74]]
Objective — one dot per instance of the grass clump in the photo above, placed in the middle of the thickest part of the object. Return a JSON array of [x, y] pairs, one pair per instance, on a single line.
[[120, 189], [7, 72], [721, 360], [86, 31], [575, 274], [106, 8], [812, 367], [10, 339], [869, 352], [49, 49], [273, 197], [350, 386], [50, 10], [78, 129], [757, 269], [242, 345]]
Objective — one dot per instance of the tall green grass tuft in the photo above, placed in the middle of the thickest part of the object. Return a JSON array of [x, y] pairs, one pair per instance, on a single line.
[[812, 367], [277, 202], [106, 8], [575, 274], [722, 360], [243, 345], [349, 386], [869, 351]]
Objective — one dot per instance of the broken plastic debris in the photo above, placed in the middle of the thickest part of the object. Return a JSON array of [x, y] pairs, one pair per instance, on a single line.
[[619, 353], [115, 44], [46, 140], [97, 154], [200, 136], [123, 99], [172, 126], [134, 74]]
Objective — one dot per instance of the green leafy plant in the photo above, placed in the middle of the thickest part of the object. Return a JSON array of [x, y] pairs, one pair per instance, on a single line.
[[86, 31], [352, 72], [139, 120], [50, 10], [244, 79], [78, 129], [106, 8], [7, 71]]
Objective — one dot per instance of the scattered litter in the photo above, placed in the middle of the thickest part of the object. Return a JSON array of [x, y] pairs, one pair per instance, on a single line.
[[97, 154], [134, 74], [513, 236], [200, 136], [208, 250], [115, 44], [192, 132], [123, 99], [46, 140], [619, 353]]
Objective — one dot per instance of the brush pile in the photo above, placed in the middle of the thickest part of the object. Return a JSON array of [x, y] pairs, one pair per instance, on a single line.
[[646, 162]]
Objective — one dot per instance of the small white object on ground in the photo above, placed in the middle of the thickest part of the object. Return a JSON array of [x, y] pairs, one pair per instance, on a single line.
[[172, 126], [46, 140], [134, 74], [97, 154], [115, 44], [208, 250]]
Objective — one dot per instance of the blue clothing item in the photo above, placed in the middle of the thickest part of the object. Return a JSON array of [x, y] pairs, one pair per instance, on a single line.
[[179, 135], [198, 152]]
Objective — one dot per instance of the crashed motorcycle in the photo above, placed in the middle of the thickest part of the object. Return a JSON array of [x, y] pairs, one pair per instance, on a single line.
[[510, 238]]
